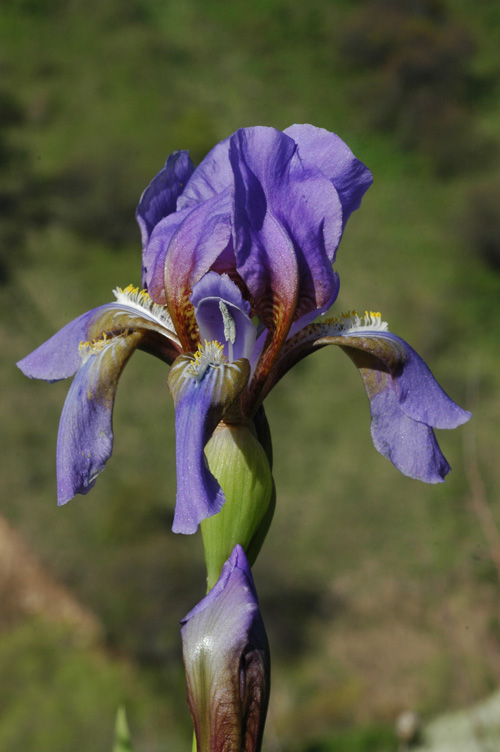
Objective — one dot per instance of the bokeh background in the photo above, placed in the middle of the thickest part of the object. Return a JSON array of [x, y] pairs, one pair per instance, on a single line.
[[380, 594]]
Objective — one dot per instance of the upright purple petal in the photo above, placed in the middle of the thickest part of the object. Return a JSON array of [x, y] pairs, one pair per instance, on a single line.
[[203, 236], [287, 222], [203, 388], [160, 197], [223, 315], [226, 654], [85, 439], [154, 254], [335, 160], [212, 176]]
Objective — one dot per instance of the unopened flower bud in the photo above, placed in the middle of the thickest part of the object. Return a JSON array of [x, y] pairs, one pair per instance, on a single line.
[[226, 655]]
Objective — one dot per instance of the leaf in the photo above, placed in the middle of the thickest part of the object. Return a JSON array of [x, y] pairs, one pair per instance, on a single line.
[[122, 735]]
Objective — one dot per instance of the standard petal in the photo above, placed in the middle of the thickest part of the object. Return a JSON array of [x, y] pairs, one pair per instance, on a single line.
[[85, 438], [160, 197], [223, 315], [279, 201], [335, 160], [287, 224], [203, 388], [212, 176], [226, 654], [308, 318], [153, 257], [406, 401], [201, 238]]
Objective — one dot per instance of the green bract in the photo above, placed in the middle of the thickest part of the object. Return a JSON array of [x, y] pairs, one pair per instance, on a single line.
[[239, 463]]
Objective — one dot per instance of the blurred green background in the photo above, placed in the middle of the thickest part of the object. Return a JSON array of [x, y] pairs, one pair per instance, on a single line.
[[379, 593]]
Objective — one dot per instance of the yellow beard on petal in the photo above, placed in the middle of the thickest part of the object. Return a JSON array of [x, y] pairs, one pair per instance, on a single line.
[[351, 322], [208, 354]]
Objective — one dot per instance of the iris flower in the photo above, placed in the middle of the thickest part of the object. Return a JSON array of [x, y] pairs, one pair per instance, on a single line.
[[237, 264]]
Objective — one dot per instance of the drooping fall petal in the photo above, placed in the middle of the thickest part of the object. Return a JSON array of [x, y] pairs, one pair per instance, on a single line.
[[406, 402], [96, 346], [85, 438], [60, 357], [203, 386]]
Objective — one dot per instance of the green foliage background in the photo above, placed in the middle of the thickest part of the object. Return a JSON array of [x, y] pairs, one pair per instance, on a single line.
[[378, 592]]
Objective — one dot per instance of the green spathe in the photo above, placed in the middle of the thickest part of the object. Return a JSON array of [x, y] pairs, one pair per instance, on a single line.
[[238, 461]]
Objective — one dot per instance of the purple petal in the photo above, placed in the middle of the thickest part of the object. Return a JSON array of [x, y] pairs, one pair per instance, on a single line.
[[410, 445], [160, 197], [236, 567], [226, 654], [405, 399], [212, 176], [265, 256], [223, 315], [202, 390], [401, 420], [287, 222], [153, 257], [308, 318], [85, 438], [59, 357], [418, 394], [203, 236], [335, 160]]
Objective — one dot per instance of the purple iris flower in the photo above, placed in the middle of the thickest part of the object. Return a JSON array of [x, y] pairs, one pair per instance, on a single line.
[[237, 263], [226, 654]]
